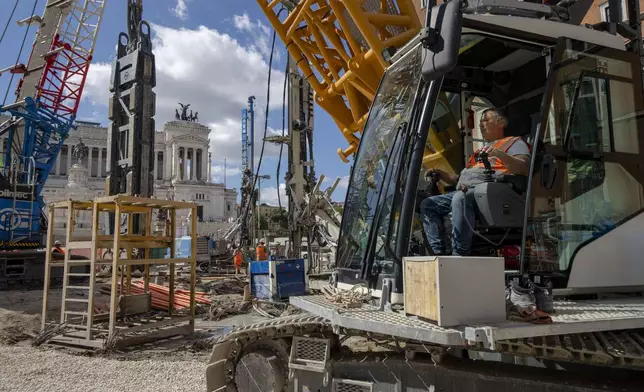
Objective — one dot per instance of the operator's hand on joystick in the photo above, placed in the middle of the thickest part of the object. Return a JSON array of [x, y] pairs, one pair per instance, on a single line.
[[433, 174], [432, 177], [490, 151]]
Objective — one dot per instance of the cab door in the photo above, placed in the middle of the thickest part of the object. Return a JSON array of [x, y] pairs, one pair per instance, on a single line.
[[591, 125]]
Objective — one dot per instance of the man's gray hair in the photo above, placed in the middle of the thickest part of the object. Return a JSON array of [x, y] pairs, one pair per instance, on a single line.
[[498, 115]]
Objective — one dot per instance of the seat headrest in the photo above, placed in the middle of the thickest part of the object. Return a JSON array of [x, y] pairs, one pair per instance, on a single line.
[[519, 125]]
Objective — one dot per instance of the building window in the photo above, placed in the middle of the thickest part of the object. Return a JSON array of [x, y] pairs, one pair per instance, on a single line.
[[605, 12]]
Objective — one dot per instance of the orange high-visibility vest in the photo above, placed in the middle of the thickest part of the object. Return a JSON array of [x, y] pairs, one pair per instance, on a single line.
[[496, 164], [261, 252], [238, 258]]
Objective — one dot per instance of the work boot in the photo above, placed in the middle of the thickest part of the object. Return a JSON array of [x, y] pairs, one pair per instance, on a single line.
[[521, 304], [543, 296], [520, 300]]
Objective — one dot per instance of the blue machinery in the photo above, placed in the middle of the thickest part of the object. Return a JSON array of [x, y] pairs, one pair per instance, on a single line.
[[278, 280], [47, 100]]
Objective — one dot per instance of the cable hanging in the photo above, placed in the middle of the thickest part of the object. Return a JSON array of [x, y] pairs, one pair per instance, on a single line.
[[6, 26], [268, 97], [22, 46], [279, 161]]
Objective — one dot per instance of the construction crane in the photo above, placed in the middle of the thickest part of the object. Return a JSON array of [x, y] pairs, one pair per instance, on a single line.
[[342, 63], [47, 99], [343, 48], [574, 94]]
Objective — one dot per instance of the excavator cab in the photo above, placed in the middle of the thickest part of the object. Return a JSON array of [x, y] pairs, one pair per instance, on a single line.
[[573, 94]]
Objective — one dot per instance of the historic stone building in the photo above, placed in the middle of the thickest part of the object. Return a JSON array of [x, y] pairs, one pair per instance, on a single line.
[[182, 169]]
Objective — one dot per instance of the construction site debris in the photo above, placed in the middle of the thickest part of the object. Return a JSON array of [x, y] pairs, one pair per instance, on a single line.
[[16, 327], [223, 306], [48, 333], [353, 298], [224, 285]]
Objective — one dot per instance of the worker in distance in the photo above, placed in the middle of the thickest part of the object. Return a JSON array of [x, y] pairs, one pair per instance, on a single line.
[[506, 154]]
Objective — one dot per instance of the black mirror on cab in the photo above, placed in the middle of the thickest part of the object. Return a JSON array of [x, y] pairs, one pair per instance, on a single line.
[[441, 39]]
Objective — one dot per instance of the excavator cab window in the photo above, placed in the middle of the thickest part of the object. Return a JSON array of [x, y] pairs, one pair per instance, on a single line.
[[491, 72], [592, 127], [373, 179]]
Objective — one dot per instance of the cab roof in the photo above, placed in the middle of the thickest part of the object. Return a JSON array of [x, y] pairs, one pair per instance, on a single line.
[[541, 31]]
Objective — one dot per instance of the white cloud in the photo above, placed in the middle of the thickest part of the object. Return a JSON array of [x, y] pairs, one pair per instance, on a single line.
[[213, 72], [97, 83], [219, 173], [228, 170], [242, 22], [260, 36], [344, 182], [268, 194], [181, 9]]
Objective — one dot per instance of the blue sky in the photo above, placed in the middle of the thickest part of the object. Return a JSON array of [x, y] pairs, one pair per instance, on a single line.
[[210, 53]]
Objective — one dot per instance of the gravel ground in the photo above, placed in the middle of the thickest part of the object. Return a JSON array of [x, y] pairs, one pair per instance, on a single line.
[[23, 368]]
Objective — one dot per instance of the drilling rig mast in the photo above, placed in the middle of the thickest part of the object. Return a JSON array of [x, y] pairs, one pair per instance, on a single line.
[[131, 109]]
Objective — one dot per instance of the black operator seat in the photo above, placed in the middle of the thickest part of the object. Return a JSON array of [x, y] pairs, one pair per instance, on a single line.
[[501, 203]]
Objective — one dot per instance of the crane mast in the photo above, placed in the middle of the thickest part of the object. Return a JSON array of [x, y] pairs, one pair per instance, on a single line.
[[47, 100]]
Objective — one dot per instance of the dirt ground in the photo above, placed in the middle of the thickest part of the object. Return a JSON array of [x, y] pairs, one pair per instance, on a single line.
[[176, 364]]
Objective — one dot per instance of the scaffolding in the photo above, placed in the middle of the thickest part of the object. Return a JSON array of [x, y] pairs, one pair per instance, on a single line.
[[129, 318]]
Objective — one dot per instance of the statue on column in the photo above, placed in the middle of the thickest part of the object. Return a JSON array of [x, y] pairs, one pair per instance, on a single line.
[[80, 151], [77, 177]]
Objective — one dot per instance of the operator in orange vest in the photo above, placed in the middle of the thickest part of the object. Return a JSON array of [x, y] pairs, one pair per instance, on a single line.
[[261, 251], [58, 248], [506, 155], [238, 260]]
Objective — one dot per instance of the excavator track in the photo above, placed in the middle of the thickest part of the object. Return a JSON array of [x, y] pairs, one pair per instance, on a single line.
[[271, 338], [274, 339], [622, 349]]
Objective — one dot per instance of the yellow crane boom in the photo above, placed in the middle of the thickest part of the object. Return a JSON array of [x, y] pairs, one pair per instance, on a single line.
[[338, 45]]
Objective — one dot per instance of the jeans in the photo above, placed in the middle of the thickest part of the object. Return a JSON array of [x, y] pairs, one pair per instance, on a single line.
[[434, 209]]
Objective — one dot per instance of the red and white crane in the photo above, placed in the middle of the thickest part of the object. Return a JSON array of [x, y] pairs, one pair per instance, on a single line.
[[47, 99]]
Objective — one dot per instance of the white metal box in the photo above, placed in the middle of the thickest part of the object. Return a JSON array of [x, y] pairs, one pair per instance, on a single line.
[[453, 290]]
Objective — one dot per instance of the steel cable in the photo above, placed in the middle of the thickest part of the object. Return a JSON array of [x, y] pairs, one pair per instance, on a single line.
[[9, 20], [279, 161], [268, 94], [22, 46]]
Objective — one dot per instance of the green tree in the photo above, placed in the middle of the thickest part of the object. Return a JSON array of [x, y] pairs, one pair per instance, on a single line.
[[281, 217], [263, 222]]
